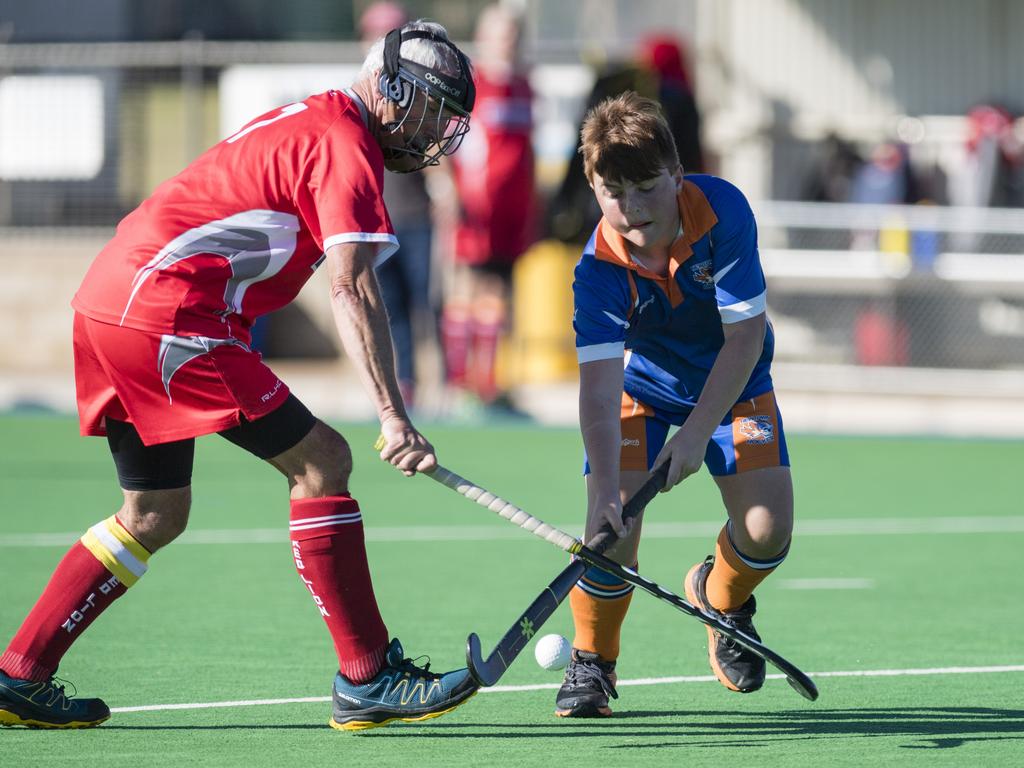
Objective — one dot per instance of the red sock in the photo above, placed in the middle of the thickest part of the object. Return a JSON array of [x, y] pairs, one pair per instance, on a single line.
[[488, 324], [96, 571], [485, 358], [455, 328], [330, 556]]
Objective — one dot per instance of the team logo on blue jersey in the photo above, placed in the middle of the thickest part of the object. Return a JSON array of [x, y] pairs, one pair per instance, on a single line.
[[758, 429], [703, 275]]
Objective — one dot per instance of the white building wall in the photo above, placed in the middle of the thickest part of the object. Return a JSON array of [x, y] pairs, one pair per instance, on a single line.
[[775, 72]]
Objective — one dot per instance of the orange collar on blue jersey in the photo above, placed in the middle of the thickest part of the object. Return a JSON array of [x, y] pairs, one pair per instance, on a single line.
[[698, 218]]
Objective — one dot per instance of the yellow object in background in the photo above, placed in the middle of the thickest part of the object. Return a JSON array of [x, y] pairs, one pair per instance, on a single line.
[[894, 237], [894, 244], [541, 347]]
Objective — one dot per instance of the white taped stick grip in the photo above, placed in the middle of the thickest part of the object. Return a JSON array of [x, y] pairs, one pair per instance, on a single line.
[[505, 509]]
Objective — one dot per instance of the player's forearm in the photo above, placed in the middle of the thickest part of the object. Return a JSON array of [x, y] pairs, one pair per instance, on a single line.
[[362, 324], [602, 435], [600, 426]]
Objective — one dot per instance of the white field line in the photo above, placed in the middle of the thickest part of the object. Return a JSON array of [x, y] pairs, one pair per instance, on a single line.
[[824, 583], [885, 526], [555, 686]]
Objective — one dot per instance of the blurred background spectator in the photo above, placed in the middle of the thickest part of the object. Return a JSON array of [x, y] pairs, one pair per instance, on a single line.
[[572, 211], [659, 70], [836, 163], [494, 183], [887, 177], [810, 114], [665, 57], [995, 160]]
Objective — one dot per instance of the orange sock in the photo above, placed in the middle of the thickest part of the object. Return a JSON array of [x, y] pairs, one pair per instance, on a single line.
[[735, 576], [599, 602]]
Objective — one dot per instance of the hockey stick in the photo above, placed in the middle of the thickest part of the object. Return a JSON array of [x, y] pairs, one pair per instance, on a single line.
[[488, 671], [797, 679]]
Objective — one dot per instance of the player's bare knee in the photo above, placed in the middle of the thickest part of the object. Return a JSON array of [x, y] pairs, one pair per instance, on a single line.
[[156, 518], [767, 531]]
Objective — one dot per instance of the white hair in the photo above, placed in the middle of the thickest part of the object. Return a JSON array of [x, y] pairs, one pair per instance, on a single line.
[[429, 53]]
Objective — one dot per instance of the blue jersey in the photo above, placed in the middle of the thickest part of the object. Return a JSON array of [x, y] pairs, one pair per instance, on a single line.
[[670, 328]]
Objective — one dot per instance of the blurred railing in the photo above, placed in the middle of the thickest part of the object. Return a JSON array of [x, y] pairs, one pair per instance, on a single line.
[[86, 131], [921, 286]]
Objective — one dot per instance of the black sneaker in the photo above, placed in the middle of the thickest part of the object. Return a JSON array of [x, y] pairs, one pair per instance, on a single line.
[[735, 667], [586, 687], [45, 705], [400, 691]]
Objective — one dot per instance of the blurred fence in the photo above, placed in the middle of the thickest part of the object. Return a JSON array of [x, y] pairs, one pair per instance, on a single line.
[[863, 298], [86, 131], [921, 286]]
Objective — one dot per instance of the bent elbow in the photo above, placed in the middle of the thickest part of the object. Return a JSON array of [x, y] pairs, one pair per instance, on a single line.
[[343, 288]]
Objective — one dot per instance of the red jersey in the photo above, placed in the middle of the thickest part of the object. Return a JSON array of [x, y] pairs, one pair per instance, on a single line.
[[494, 173], [240, 230]]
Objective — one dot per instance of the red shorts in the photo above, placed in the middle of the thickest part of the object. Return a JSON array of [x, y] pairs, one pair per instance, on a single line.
[[168, 387]]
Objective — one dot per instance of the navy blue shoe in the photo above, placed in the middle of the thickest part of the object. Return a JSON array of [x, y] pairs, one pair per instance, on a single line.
[[400, 691], [45, 705]]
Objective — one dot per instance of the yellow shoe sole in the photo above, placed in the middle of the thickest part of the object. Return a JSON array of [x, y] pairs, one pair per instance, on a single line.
[[11, 720], [365, 725]]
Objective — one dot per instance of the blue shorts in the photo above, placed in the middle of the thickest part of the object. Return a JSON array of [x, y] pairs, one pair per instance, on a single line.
[[749, 437]]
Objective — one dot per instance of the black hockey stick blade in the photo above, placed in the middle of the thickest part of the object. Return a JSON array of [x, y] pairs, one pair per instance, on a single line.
[[487, 672]]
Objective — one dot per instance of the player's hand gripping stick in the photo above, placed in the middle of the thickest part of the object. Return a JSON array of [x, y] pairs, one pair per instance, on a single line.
[[488, 671]]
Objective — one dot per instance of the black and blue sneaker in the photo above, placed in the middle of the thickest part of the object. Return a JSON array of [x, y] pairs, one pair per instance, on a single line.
[[45, 705], [400, 691]]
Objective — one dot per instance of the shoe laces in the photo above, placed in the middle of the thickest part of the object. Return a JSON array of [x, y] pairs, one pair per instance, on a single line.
[[59, 685], [741, 619], [591, 674], [410, 666]]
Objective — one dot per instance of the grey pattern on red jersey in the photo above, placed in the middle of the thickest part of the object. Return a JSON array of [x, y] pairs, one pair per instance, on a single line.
[[257, 244]]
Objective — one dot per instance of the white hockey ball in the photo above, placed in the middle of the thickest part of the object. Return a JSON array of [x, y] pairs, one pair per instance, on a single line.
[[552, 652]]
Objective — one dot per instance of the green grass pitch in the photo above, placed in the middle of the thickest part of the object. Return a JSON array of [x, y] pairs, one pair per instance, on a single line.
[[905, 567]]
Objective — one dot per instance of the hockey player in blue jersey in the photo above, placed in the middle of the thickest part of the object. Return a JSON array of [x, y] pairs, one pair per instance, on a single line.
[[671, 331]]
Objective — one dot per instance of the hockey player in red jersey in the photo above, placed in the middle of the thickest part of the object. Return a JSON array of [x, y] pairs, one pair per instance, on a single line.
[[162, 355]]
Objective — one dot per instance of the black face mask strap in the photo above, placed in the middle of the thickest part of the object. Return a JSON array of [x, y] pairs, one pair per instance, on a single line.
[[390, 84], [392, 49]]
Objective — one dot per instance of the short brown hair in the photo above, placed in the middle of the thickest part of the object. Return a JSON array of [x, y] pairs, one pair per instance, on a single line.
[[626, 138]]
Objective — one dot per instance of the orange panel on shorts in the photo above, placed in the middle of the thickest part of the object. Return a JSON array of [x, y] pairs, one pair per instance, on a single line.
[[634, 434], [755, 433]]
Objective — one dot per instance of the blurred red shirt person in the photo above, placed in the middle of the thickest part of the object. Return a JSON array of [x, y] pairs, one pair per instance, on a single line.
[[494, 171], [494, 180]]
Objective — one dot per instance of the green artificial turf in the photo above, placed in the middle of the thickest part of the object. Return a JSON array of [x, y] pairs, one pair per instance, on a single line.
[[223, 622]]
